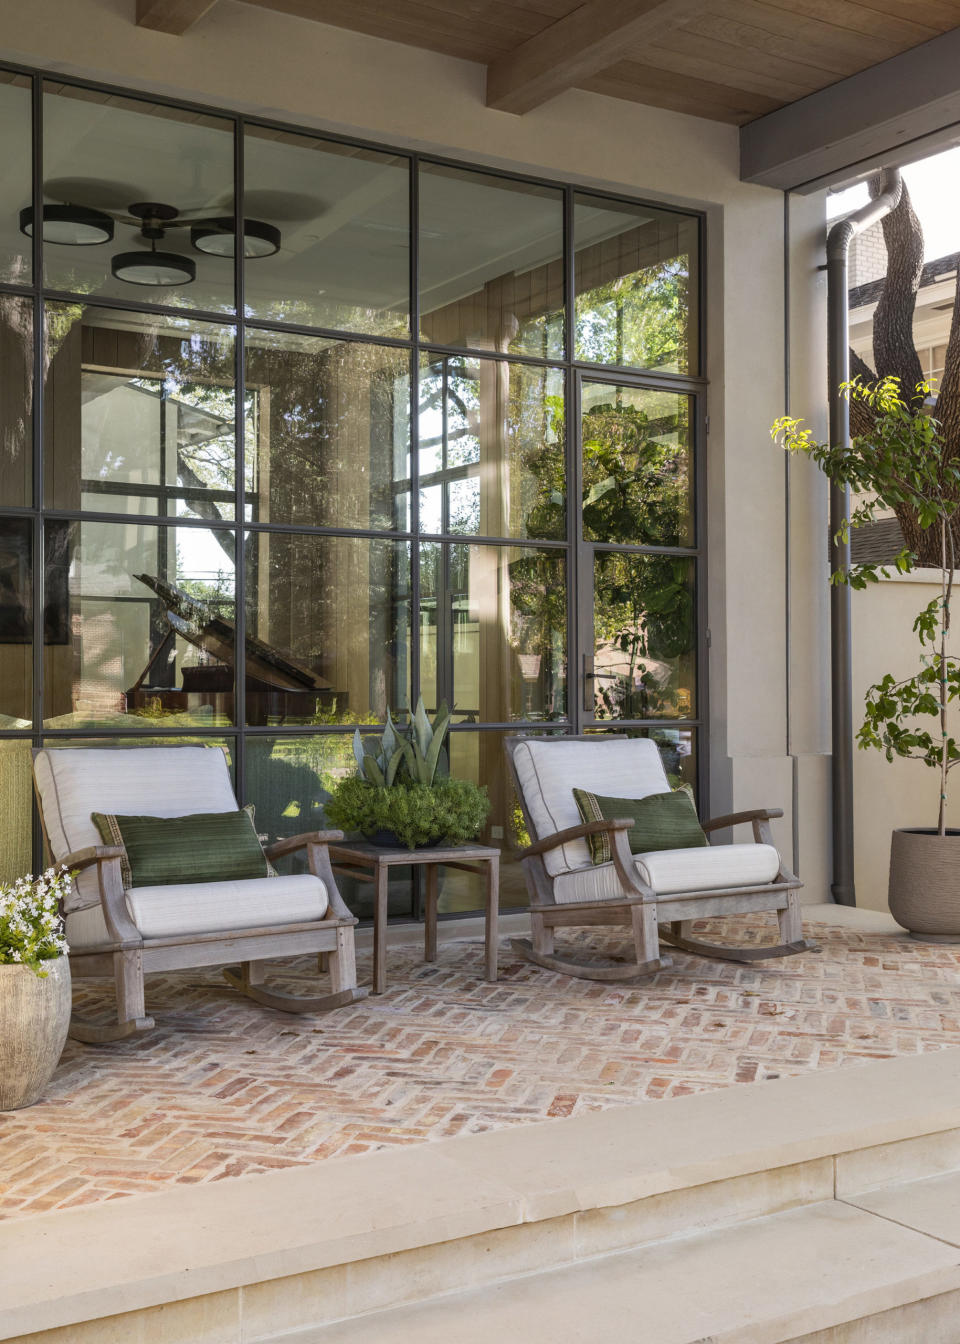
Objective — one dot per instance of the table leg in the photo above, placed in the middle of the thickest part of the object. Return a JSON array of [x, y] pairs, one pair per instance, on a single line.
[[430, 913], [381, 878], [492, 915]]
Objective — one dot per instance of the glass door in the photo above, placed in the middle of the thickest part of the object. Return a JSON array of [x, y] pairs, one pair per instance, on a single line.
[[638, 566]]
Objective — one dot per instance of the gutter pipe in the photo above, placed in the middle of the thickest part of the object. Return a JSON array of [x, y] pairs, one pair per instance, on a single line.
[[839, 239]]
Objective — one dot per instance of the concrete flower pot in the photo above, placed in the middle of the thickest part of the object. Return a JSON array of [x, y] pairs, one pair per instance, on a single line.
[[34, 1016], [924, 888]]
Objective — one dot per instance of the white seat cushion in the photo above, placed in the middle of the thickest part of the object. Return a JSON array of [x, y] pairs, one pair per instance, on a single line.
[[74, 782], [549, 770], [672, 872], [208, 907], [711, 868]]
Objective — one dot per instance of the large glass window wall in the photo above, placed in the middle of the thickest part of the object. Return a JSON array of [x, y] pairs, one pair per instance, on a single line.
[[296, 429]]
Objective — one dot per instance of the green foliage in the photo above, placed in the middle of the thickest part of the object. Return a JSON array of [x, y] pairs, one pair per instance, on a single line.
[[641, 319], [891, 706], [418, 814], [636, 489], [401, 786], [411, 754], [904, 462]]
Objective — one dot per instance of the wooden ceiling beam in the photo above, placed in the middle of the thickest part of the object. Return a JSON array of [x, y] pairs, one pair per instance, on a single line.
[[889, 114], [171, 16], [590, 39]]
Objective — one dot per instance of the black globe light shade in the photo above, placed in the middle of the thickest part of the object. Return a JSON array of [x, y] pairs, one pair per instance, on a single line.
[[72, 225], [153, 268], [218, 237]]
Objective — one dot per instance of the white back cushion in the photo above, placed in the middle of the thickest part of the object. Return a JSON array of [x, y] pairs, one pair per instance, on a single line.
[[74, 782], [550, 770]]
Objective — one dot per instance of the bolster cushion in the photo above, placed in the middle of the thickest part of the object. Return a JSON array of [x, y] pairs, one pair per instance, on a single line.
[[675, 871], [209, 907]]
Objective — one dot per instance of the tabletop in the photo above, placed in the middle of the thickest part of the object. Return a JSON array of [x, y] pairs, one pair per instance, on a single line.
[[367, 852]]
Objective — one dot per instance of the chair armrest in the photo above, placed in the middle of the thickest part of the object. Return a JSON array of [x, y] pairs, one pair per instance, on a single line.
[[291, 843], [317, 843], [86, 858], [760, 817], [113, 901], [736, 818], [574, 833]]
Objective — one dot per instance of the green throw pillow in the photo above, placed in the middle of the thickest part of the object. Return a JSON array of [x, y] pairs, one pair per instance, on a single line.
[[660, 821], [168, 851]]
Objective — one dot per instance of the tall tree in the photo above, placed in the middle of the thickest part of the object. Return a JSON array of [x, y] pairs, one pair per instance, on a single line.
[[895, 355]]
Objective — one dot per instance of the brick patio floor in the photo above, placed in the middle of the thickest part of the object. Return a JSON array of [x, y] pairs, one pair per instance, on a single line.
[[225, 1088]]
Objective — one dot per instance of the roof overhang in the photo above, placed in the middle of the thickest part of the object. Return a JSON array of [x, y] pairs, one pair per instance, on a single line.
[[893, 113]]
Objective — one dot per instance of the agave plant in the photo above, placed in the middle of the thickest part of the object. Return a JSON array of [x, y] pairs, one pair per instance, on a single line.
[[416, 747]]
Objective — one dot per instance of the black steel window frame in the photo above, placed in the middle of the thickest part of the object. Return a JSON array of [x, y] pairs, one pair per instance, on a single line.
[[574, 371]]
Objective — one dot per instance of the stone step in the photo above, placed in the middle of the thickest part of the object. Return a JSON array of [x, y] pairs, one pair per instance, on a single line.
[[612, 1199], [827, 1273]]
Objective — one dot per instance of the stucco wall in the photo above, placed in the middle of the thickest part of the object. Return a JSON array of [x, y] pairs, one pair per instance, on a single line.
[[767, 720], [901, 793]]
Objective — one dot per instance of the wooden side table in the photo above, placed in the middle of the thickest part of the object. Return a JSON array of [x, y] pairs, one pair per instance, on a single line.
[[367, 862]]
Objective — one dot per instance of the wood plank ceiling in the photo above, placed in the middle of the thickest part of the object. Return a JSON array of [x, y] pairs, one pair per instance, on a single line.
[[726, 60]]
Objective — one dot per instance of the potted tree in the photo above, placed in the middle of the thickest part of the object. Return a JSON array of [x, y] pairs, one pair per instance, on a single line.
[[902, 462], [402, 794], [34, 986]]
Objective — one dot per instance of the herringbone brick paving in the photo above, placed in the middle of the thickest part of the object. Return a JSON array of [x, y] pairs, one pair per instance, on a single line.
[[226, 1088]]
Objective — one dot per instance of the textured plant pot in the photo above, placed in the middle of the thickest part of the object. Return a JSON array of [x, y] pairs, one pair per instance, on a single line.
[[924, 889], [34, 1016]]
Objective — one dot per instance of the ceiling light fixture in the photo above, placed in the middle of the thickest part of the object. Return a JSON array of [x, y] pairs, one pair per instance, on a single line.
[[218, 237], [72, 225], [153, 268]]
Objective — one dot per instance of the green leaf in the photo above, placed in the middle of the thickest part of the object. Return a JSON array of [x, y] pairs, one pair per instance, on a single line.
[[393, 766], [373, 772], [421, 727]]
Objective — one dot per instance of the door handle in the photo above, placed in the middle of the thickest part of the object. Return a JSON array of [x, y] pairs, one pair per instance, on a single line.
[[588, 680]]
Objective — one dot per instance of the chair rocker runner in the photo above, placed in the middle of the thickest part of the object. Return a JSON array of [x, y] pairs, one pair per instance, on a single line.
[[113, 932], [642, 892]]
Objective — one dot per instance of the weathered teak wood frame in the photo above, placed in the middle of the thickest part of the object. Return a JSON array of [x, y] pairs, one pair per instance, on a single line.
[[639, 908], [128, 956], [366, 862]]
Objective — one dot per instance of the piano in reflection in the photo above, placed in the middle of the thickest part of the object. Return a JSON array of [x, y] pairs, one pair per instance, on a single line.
[[279, 688]]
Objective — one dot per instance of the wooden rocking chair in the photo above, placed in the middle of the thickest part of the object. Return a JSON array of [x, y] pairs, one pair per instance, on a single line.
[[125, 933], [638, 891]]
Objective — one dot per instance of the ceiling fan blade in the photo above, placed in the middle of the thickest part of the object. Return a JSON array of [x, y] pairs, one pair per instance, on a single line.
[[282, 206], [97, 193]]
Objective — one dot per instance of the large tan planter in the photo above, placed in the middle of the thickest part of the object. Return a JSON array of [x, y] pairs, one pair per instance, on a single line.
[[34, 1016], [925, 884]]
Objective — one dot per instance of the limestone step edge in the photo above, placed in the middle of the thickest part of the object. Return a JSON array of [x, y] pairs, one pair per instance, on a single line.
[[827, 1273], [243, 1235]]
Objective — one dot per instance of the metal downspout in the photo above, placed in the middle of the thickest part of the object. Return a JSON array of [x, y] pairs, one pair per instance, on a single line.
[[841, 680]]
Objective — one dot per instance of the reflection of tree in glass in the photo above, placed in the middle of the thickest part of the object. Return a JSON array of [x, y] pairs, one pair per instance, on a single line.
[[538, 617], [639, 320], [450, 445], [635, 492], [508, 416], [635, 473], [643, 626]]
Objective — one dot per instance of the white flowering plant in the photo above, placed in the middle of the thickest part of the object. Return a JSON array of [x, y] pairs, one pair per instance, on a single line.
[[31, 926]]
